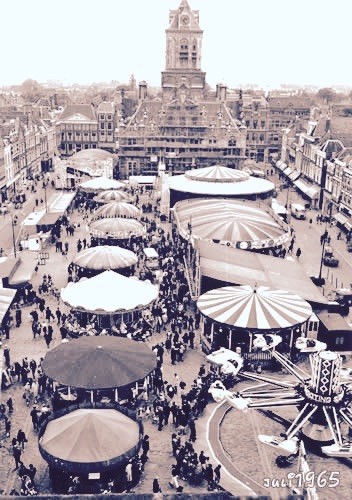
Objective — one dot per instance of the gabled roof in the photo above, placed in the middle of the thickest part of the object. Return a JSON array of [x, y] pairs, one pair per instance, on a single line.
[[184, 10], [106, 107], [285, 102], [78, 112]]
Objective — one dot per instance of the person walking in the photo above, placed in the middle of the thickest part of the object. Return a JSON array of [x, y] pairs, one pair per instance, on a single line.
[[298, 252], [21, 438], [217, 475], [34, 417], [145, 447], [16, 452]]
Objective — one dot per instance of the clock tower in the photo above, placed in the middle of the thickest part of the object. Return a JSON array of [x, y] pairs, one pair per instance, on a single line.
[[183, 54]]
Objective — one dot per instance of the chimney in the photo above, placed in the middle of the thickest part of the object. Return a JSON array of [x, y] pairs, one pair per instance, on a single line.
[[142, 91], [221, 90]]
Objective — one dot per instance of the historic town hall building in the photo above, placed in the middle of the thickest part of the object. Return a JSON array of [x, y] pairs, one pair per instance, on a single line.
[[188, 126]]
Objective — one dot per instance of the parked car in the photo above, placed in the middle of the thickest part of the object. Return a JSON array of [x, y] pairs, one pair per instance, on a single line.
[[349, 246], [329, 259]]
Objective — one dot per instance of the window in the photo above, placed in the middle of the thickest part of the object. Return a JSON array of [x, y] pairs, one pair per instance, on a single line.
[[102, 126], [101, 117], [339, 341], [109, 117]]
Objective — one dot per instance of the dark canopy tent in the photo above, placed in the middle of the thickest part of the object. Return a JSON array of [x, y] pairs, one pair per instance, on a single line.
[[99, 362]]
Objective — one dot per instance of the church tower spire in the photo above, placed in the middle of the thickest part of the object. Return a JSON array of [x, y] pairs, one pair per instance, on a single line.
[[183, 51]]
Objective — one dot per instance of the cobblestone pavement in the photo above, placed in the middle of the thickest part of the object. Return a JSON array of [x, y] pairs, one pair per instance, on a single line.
[[21, 344]]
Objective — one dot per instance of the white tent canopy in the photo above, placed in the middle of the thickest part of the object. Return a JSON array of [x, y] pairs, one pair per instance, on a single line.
[[109, 292], [101, 184]]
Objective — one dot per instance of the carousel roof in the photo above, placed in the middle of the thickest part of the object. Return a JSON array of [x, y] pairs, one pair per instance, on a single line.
[[229, 221], [105, 257], [257, 308], [116, 227], [117, 209], [109, 292], [90, 436], [111, 195], [101, 184], [212, 183], [99, 362], [217, 173]]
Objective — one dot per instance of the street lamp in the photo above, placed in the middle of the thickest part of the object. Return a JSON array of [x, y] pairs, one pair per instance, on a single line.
[[13, 236], [45, 198]]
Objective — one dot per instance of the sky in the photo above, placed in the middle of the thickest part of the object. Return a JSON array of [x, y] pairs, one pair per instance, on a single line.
[[263, 42]]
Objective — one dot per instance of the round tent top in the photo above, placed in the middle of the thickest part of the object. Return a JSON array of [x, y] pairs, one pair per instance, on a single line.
[[229, 221], [217, 173], [116, 227], [99, 362], [111, 195], [105, 257], [101, 184], [93, 154], [249, 186], [254, 308], [117, 209], [88, 438], [109, 292]]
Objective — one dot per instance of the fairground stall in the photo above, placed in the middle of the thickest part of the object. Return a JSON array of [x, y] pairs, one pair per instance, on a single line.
[[228, 222], [104, 303], [117, 209], [92, 445], [98, 184], [104, 369], [111, 195], [233, 316], [94, 260], [218, 181], [115, 231]]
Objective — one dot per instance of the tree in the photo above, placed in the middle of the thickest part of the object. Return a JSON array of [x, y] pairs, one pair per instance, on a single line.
[[327, 94]]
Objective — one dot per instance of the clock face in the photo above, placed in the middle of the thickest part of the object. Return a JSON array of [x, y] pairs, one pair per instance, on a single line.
[[185, 20]]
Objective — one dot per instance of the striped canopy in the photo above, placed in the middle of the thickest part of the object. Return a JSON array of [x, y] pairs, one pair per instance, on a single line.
[[117, 209], [229, 221], [90, 436], [258, 308], [101, 184], [110, 195], [118, 228], [105, 257], [217, 173]]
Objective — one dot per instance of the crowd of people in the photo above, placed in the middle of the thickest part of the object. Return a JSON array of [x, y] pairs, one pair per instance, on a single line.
[[171, 404]]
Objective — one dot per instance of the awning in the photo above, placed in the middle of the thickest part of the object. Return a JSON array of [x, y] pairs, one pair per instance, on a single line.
[[288, 171], [309, 191], [348, 226], [6, 297], [302, 186], [341, 219], [281, 165], [312, 193], [294, 175]]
